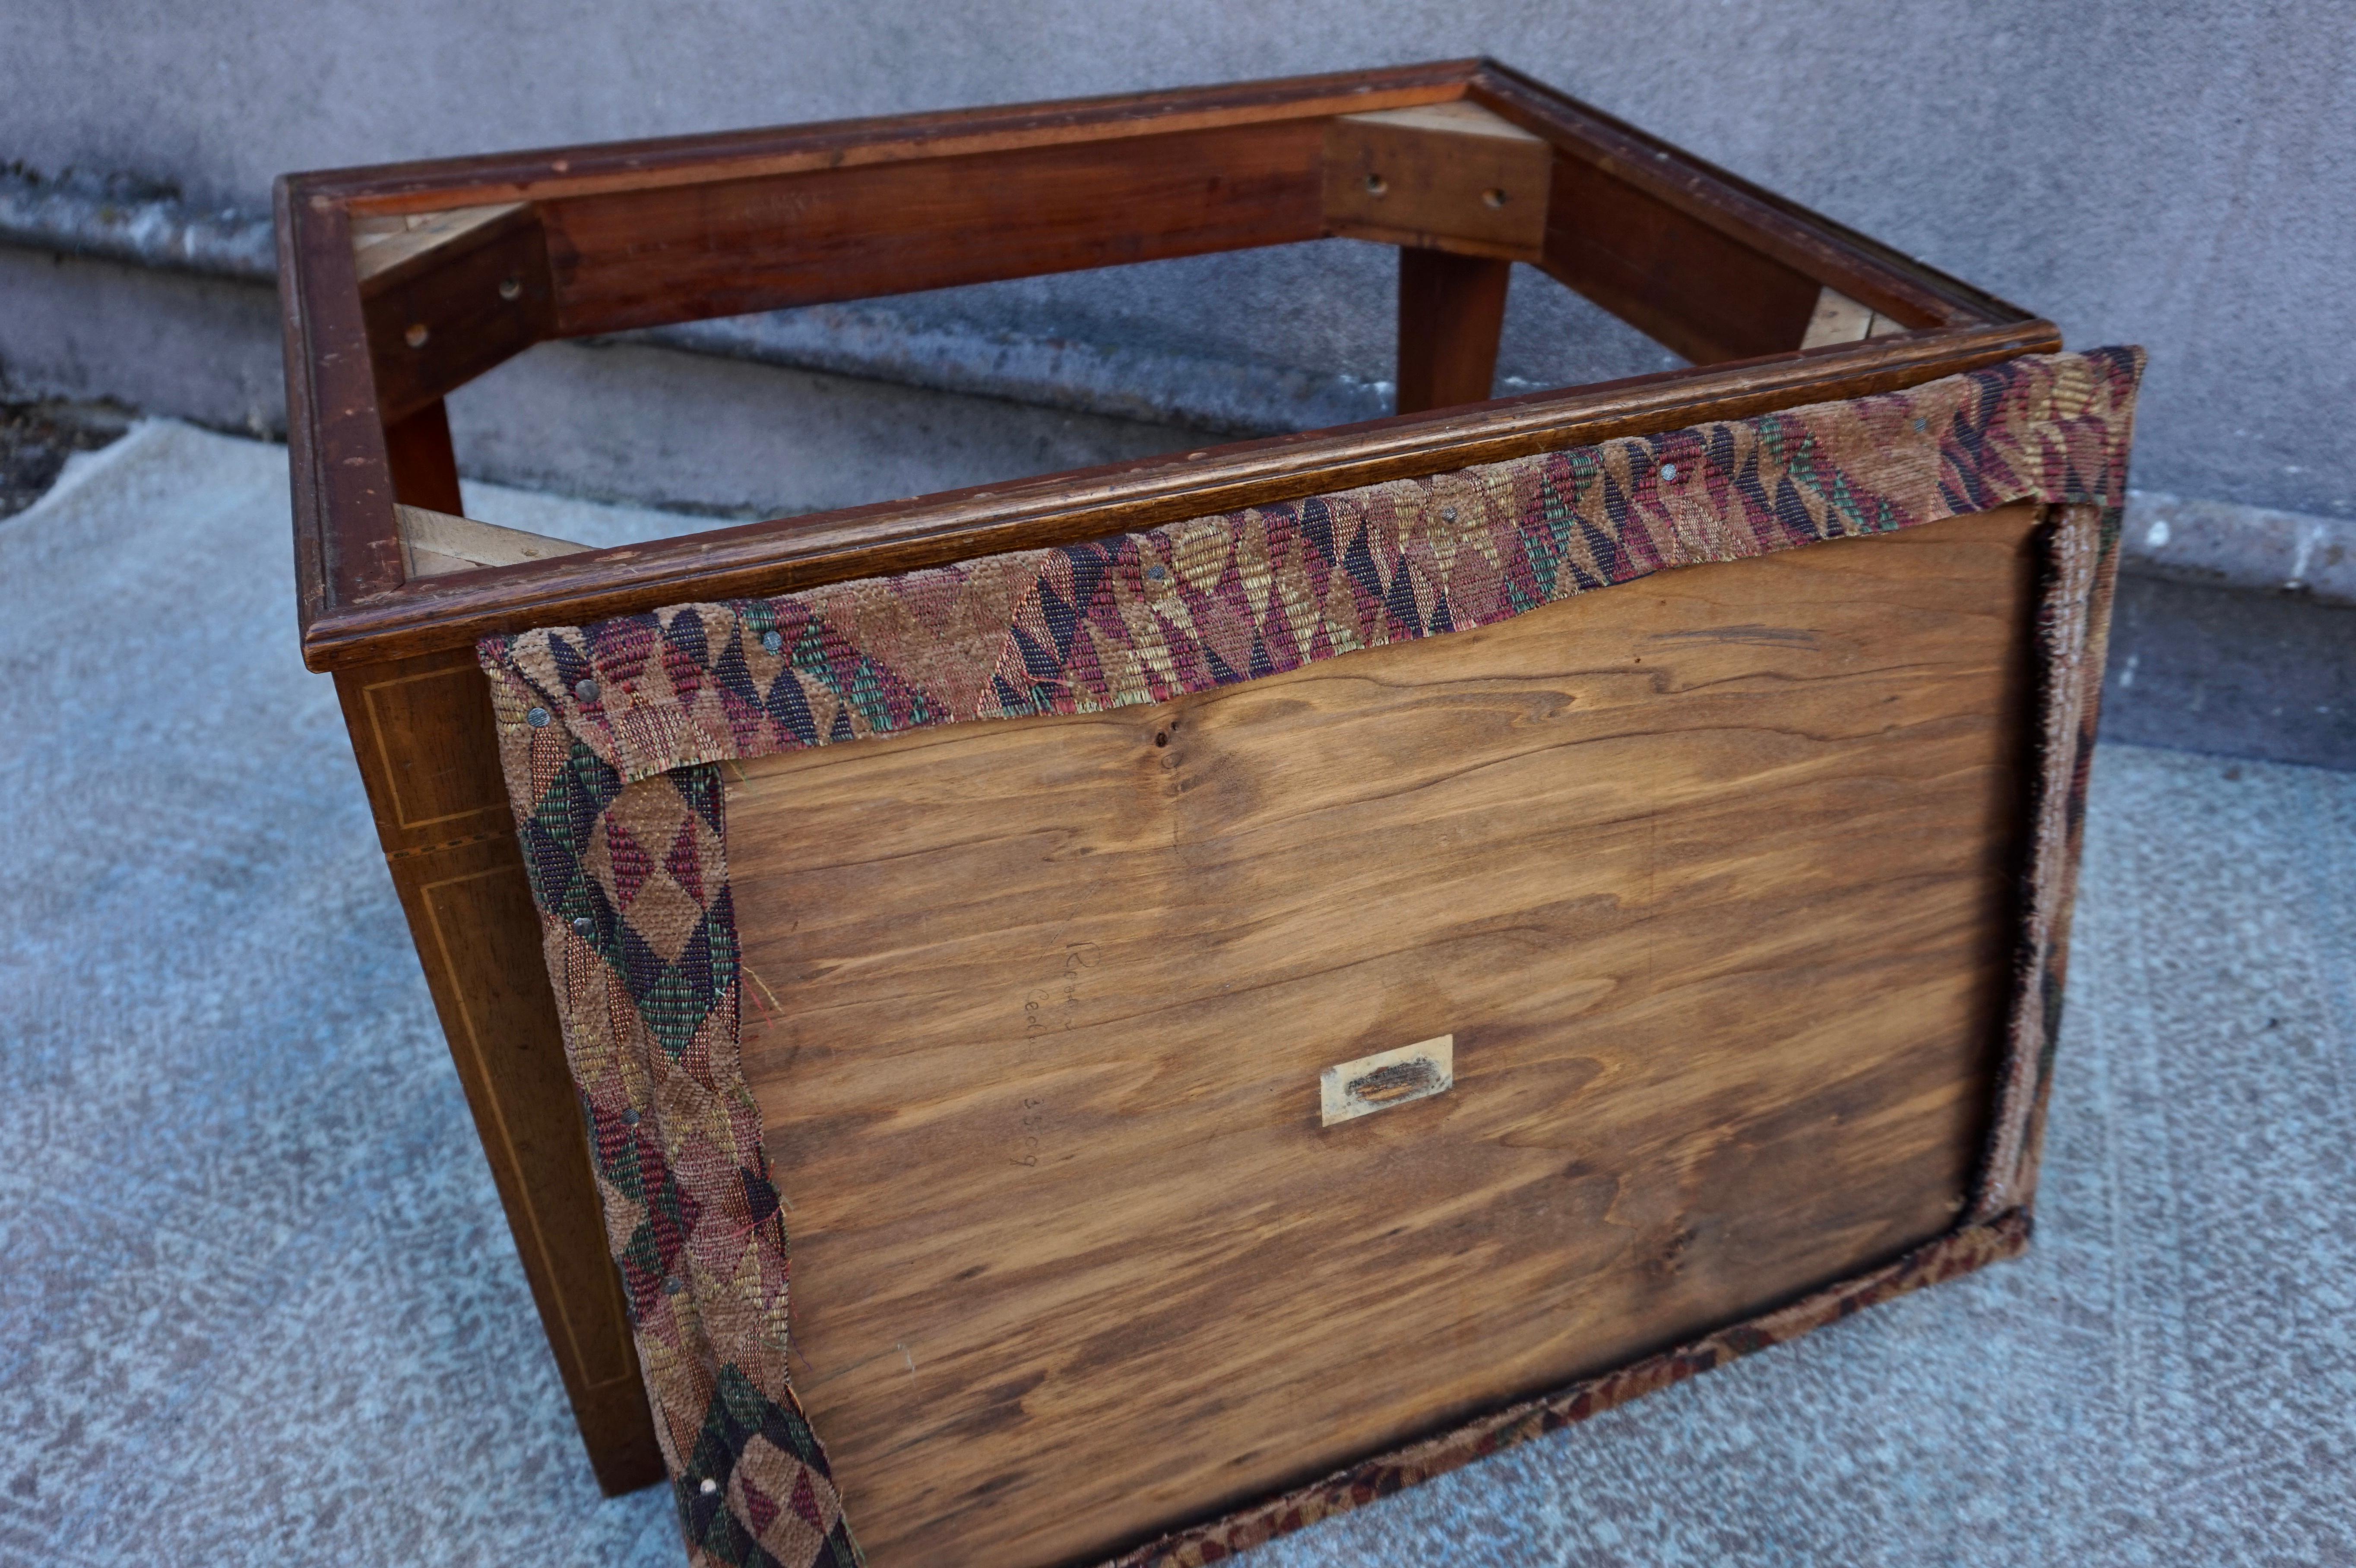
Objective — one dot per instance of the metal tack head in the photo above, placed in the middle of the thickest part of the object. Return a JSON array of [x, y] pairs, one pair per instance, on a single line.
[[583, 925], [773, 641], [630, 1117], [538, 718], [1447, 513], [1668, 470], [586, 690], [709, 1486], [1155, 572]]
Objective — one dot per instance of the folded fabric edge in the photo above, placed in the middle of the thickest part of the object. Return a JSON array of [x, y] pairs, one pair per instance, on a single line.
[[1216, 601]]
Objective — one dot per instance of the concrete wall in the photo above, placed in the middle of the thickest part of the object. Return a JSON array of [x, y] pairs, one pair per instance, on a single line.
[[2140, 174]]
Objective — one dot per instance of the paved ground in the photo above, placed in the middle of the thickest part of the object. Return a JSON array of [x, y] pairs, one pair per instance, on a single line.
[[260, 1305], [2235, 672]]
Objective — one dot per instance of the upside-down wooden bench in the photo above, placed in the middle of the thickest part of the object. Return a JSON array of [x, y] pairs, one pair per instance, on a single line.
[[1450, 922]]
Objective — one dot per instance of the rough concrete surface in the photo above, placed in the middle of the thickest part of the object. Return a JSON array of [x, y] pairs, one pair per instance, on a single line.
[[652, 425], [261, 1307], [2237, 672], [192, 348]]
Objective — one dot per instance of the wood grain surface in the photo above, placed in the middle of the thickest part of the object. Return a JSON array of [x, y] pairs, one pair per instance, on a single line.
[[439, 543], [643, 257], [1707, 875]]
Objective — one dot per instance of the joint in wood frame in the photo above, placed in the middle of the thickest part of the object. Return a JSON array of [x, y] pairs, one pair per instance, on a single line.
[[1442, 177], [447, 295]]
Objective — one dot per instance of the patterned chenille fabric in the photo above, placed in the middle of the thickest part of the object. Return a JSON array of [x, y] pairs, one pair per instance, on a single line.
[[609, 735], [1146, 616], [641, 944]]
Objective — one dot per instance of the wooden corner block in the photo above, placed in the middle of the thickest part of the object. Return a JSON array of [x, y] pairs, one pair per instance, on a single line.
[[447, 295], [1840, 319], [433, 544], [1837, 319], [1444, 176], [388, 247]]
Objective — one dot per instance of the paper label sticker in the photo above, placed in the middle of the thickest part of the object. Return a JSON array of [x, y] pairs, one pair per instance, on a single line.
[[1387, 1077]]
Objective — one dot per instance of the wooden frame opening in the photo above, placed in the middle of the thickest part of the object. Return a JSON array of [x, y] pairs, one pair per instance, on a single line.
[[406, 283]]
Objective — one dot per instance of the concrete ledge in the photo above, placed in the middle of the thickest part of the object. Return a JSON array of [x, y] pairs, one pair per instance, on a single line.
[[2231, 672], [176, 341], [2222, 544], [122, 218]]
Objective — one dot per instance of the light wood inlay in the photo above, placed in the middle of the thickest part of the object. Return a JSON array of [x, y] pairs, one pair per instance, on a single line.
[[422, 735]]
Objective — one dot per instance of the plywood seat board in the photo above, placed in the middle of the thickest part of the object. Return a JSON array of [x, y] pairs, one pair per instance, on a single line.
[[1711, 878]]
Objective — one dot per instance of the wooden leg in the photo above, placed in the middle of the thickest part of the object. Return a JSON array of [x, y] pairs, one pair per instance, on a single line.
[[1450, 309], [422, 730], [424, 468]]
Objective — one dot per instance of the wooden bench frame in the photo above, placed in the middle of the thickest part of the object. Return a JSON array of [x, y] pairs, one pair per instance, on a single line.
[[403, 282]]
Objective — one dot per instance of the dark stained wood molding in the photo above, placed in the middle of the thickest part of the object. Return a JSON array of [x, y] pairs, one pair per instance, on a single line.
[[350, 372], [343, 486], [559, 171], [779, 557], [650, 258]]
